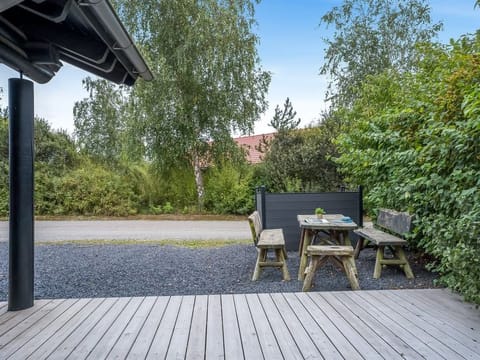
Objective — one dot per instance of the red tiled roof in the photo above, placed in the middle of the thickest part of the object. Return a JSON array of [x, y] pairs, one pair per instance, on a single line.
[[251, 143]]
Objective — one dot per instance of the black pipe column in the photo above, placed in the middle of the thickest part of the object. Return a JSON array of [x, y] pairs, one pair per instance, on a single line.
[[20, 103]]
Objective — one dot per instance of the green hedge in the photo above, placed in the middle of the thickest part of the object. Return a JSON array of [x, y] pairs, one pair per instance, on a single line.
[[414, 143]]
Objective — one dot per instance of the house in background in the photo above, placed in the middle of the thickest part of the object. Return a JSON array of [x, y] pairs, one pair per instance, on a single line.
[[251, 144]]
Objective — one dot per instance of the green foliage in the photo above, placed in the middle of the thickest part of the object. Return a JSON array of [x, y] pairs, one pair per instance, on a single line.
[[93, 190], [208, 78], [53, 148], [175, 186], [284, 120], [101, 122], [418, 149], [300, 160], [228, 189], [370, 37]]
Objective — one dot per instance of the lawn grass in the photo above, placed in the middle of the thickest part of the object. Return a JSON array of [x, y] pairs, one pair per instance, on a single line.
[[194, 244]]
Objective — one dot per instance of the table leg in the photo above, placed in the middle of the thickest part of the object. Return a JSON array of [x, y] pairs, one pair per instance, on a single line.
[[307, 239], [351, 271], [300, 245], [346, 238]]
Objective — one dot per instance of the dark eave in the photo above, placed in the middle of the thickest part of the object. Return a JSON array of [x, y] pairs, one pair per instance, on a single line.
[[36, 36]]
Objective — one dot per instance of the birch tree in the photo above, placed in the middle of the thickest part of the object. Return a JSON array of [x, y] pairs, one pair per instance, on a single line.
[[208, 81]]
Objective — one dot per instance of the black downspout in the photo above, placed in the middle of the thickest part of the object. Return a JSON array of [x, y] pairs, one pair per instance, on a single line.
[[21, 221]]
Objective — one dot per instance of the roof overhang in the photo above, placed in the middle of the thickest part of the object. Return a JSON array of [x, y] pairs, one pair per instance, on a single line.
[[36, 36]]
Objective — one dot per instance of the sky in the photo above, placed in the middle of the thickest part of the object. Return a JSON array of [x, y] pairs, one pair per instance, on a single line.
[[291, 48]]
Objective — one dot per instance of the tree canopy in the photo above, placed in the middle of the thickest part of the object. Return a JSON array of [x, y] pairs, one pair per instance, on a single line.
[[371, 36], [208, 81]]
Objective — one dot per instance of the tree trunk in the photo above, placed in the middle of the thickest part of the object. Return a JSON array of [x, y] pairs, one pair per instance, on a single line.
[[197, 169]]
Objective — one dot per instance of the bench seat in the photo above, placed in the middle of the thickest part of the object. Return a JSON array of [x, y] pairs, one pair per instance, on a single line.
[[265, 240], [341, 256], [379, 237], [392, 221], [271, 238]]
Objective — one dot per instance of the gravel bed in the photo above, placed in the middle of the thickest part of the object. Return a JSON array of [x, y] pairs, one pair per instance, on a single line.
[[74, 271]]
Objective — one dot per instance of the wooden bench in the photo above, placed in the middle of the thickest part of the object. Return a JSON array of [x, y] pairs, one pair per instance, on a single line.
[[388, 232], [265, 240], [342, 256]]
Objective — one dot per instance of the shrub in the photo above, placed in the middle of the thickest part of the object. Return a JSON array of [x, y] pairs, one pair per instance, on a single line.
[[419, 151], [93, 190], [228, 189]]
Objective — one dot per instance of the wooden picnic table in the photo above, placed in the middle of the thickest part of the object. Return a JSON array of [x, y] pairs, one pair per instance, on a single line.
[[337, 232]]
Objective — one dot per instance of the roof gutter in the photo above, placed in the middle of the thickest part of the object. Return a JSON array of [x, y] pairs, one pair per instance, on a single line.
[[123, 42]]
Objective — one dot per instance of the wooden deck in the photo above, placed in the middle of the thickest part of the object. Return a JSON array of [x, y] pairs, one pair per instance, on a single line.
[[389, 324]]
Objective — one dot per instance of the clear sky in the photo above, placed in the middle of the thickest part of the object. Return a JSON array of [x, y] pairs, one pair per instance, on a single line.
[[291, 48]]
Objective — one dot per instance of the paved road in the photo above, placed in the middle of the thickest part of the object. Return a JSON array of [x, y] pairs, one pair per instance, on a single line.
[[135, 230]]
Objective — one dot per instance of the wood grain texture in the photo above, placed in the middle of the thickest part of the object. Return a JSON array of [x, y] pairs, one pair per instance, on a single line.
[[388, 324]]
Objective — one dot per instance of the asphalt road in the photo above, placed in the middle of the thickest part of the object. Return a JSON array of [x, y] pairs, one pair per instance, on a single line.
[[136, 230]]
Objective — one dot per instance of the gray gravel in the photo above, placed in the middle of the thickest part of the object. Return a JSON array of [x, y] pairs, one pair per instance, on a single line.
[[72, 271]]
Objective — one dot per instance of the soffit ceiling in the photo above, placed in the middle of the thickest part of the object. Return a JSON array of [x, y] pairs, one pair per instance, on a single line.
[[37, 36]]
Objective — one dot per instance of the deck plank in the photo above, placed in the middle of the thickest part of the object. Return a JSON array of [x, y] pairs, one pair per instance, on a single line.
[[63, 332], [453, 342], [390, 324], [14, 327], [402, 330], [432, 304], [412, 325], [377, 326], [214, 341], [145, 337], [38, 327], [336, 337], [47, 332], [11, 318], [159, 346], [355, 338], [179, 341], [452, 303], [418, 310], [380, 345], [231, 332], [266, 337], [128, 336], [197, 336], [111, 336], [318, 336], [85, 345], [302, 339], [282, 333], [248, 333], [68, 344]]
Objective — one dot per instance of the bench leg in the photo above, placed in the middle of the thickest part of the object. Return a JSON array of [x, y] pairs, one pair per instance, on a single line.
[[359, 247], [378, 262], [303, 265], [307, 283], [281, 258], [351, 271], [406, 266], [262, 253]]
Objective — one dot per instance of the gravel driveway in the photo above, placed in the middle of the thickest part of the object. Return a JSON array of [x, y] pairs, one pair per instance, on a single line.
[[74, 270]]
